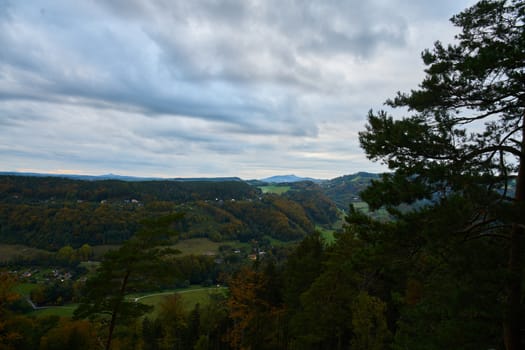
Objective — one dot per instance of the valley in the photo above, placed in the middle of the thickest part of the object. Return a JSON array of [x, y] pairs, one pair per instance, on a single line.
[[54, 231]]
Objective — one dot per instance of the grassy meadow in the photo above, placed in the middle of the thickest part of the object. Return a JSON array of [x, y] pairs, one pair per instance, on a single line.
[[274, 189], [189, 297], [204, 246], [9, 252], [62, 311], [326, 235]]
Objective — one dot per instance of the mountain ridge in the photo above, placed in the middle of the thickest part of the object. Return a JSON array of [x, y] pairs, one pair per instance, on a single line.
[[288, 178], [111, 176]]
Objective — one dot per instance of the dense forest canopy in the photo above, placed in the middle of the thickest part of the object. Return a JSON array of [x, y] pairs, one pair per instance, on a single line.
[[51, 212], [56, 188]]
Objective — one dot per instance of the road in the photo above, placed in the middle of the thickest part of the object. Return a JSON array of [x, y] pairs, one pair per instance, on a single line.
[[174, 292]]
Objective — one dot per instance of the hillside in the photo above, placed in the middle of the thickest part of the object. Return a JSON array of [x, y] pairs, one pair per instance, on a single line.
[[51, 212], [288, 179], [345, 189]]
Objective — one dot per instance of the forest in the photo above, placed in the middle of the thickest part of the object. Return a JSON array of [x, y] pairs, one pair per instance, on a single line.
[[50, 212], [443, 270]]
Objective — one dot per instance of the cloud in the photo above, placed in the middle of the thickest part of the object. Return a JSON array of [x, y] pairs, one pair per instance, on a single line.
[[204, 87], [267, 42]]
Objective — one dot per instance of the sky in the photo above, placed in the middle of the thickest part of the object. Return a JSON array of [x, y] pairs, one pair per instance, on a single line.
[[167, 88]]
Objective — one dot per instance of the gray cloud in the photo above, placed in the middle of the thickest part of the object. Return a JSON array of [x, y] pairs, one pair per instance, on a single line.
[[203, 87], [5, 9], [268, 42]]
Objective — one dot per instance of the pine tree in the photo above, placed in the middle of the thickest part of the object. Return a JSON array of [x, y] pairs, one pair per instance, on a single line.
[[135, 264], [466, 134]]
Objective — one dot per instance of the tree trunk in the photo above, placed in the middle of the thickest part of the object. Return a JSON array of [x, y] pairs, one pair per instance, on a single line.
[[512, 321], [116, 309], [512, 318]]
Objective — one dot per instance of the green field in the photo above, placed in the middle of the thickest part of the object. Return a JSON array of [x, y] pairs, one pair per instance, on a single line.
[[204, 246], [198, 246], [326, 235], [62, 311], [189, 297], [11, 251], [274, 189]]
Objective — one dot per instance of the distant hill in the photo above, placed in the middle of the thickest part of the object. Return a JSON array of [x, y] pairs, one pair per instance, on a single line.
[[82, 177], [52, 211], [345, 189], [119, 177], [208, 179], [342, 190], [288, 179]]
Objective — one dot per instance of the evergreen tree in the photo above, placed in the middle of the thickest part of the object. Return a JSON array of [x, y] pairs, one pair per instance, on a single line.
[[134, 265], [466, 135], [440, 290]]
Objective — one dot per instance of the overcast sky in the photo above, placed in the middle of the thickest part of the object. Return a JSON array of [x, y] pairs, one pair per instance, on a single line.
[[247, 88]]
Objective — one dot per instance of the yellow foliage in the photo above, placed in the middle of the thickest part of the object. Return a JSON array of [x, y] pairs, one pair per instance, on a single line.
[[369, 323]]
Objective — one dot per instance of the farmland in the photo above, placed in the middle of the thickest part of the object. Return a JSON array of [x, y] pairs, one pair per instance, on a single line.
[[276, 189]]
